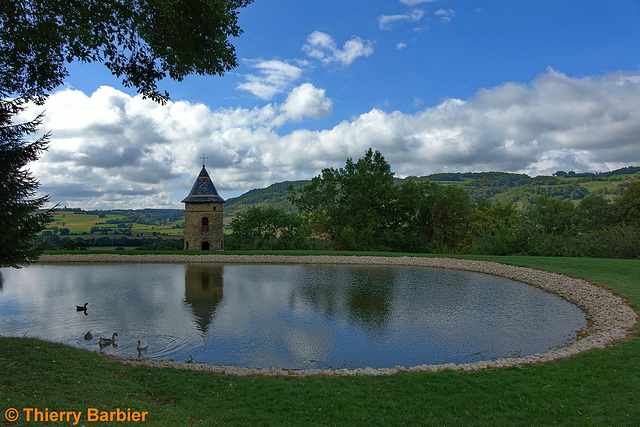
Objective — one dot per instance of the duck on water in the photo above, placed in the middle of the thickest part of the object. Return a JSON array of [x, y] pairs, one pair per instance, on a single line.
[[108, 341]]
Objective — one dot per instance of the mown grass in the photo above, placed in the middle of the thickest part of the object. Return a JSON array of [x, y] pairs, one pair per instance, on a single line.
[[598, 387]]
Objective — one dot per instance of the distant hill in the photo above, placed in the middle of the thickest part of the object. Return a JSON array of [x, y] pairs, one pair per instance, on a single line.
[[497, 187], [274, 196]]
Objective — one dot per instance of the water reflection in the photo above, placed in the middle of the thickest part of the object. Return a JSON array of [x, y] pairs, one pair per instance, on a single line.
[[203, 292], [291, 316]]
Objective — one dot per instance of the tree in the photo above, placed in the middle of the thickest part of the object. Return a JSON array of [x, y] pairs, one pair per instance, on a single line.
[[268, 228], [353, 206], [594, 212], [367, 204], [20, 218], [498, 230], [452, 207], [627, 206], [140, 41], [552, 216], [436, 216], [415, 213]]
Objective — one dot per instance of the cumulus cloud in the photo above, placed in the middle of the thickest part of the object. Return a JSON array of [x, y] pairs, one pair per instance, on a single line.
[[274, 76], [112, 150], [307, 101], [322, 46]]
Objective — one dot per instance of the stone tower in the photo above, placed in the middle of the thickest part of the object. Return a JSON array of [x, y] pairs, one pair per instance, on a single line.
[[203, 216]]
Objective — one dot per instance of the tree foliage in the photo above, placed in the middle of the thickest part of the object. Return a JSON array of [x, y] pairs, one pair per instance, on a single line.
[[628, 205], [267, 229], [139, 41], [362, 207], [354, 205], [20, 218], [433, 217]]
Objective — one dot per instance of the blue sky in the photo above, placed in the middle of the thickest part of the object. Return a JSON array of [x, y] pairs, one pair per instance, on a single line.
[[437, 86]]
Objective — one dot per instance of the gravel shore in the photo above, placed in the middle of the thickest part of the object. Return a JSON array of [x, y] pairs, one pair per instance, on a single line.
[[609, 318]]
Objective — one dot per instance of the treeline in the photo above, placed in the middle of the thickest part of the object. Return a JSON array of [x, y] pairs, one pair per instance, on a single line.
[[79, 243], [360, 207], [498, 187]]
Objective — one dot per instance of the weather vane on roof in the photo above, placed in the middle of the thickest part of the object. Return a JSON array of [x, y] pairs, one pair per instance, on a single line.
[[203, 158]]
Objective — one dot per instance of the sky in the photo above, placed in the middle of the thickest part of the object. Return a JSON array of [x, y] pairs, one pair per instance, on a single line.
[[436, 86]]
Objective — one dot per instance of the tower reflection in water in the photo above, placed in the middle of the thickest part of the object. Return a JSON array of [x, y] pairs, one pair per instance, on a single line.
[[203, 292]]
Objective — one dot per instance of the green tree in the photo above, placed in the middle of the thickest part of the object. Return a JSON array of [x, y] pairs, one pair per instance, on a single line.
[[268, 228], [353, 206], [594, 212], [437, 216], [452, 207], [319, 203], [415, 213], [498, 230], [627, 206], [20, 218], [552, 216], [139, 41], [368, 201]]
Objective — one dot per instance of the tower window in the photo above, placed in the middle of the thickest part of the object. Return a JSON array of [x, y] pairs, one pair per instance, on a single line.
[[205, 224]]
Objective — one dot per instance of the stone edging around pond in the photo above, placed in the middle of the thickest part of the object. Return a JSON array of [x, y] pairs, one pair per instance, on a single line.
[[609, 318]]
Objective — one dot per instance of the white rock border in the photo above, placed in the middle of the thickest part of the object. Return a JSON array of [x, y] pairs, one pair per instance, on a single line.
[[609, 318]]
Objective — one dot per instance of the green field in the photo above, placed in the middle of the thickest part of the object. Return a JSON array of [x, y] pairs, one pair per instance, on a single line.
[[80, 223], [600, 387]]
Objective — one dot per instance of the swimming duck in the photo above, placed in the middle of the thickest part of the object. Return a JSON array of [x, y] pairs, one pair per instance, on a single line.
[[82, 308], [88, 335], [109, 341]]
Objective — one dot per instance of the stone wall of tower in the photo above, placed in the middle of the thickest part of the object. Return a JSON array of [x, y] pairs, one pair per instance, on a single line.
[[194, 235]]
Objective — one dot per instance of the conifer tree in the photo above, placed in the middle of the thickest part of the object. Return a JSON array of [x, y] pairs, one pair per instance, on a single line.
[[21, 217]]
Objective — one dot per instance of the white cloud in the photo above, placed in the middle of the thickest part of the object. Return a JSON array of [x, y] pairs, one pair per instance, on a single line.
[[307, 101], [416, 2], [321, 46], [274, 77], [445, 15], [113, 150], [401, 46], [385, 22]]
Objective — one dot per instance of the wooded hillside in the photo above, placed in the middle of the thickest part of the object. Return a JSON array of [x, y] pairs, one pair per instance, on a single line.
[[495, 187]]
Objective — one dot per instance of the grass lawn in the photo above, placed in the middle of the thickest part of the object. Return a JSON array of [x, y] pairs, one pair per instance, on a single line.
[[598, 387]]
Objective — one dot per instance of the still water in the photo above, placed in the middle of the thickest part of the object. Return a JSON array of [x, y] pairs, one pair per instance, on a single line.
[[287, 316]]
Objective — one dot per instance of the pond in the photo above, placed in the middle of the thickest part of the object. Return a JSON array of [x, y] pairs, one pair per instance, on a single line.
[[287, 316]]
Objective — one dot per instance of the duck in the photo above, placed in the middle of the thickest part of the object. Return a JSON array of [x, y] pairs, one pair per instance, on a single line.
[[88, 335], [82, 308], [109, 341], [142, 346]]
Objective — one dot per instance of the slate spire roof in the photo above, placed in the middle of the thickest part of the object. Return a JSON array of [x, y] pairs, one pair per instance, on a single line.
[[203, 190]]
